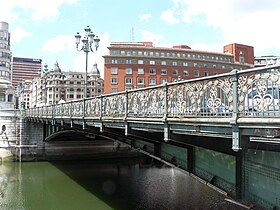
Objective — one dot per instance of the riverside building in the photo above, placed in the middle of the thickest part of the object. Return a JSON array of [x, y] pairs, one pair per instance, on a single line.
[[132, 65], [267, 61], [55, 86], [6, 89], [25, 69]]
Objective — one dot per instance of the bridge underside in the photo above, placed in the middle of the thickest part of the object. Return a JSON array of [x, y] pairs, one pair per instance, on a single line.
[[205, 151]]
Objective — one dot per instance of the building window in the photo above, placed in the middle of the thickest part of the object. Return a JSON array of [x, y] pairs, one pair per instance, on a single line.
[[140, 62], [152, 81], [196, 73], [140, 80], [2, 97], [185, 64], [114, 80], [10, 98], [174, 63], [206, 73], [71, 96], [195, 64], [163, 63], [152, 71], [175, 72], [128, 80], [122, 52], [114, 70], [186, 73], [163, 72], [114, 61], [152, 62], [71, 89], [140, 53], [128, 61], [114, 90], [140, 71], [128, 53], [128, 70], [163, 80], [78, 96]]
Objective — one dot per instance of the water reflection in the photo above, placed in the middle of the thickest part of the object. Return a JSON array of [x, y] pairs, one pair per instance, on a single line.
[[108, 184]]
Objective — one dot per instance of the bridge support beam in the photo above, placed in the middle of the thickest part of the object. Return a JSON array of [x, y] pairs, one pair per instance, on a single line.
[[235, 138], [166, 132], [157, 149], [190, 160], [239, 175], [235, 128], [127, 129]]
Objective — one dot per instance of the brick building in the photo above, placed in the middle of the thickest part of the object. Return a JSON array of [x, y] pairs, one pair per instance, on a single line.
[[132, 65]]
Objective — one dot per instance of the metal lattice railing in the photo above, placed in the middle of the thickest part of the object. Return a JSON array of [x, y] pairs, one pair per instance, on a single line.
[[246, 93]]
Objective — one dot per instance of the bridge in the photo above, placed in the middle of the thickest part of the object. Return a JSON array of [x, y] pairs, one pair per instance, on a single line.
[[224, 128]]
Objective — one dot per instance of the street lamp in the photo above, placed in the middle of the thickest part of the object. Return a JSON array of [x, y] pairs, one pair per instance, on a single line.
[[44, 74], [87, 43]]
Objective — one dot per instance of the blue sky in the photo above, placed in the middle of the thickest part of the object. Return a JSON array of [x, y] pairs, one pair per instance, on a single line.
[[45, 28]]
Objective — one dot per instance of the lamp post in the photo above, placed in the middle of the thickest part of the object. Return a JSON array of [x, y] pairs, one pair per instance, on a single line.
[[87, 43], [44, 74]]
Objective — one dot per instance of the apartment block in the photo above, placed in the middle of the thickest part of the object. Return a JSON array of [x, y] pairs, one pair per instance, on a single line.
[[55, 86], [25, 69], [131, 65]]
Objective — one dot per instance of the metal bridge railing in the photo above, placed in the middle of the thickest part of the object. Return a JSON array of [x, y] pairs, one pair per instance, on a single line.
[[245, 93]]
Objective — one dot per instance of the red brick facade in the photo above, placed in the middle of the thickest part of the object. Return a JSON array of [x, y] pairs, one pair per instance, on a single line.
[[135, 65]]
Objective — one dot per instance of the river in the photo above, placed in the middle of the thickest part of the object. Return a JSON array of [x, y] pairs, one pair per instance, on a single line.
[[122, 184]]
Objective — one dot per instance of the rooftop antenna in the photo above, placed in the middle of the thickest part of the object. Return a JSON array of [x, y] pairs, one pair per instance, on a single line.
[[132, 34]]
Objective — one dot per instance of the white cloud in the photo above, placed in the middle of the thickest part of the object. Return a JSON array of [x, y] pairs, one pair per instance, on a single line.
[[59, 43], [169, 16], [18, 34], [39, 10], [148, 36], [145, 17], [251, 22]]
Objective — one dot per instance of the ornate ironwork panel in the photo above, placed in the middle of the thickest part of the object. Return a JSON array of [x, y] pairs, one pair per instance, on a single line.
[[114, 105], [259, 93], [201, 98], [146, 103], [93, 107], [77, 108]]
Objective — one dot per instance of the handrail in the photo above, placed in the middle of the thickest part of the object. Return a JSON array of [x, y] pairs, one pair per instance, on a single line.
[[212, 96]]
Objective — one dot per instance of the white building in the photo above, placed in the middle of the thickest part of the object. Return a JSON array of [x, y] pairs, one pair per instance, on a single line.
[[266, 61], [6, 89], [55, 86]]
